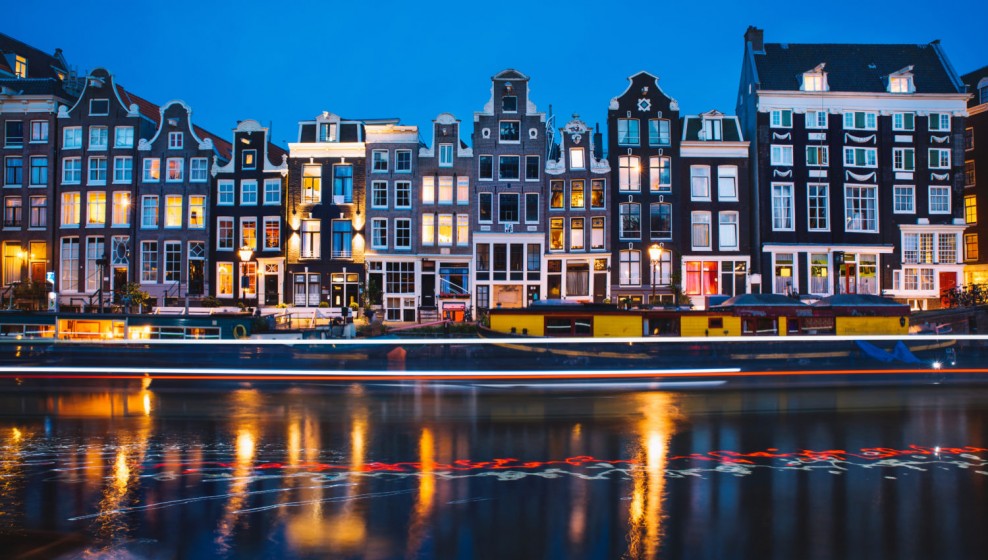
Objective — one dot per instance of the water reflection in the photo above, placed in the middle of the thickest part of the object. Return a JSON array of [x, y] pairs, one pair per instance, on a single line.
[[425, 473]]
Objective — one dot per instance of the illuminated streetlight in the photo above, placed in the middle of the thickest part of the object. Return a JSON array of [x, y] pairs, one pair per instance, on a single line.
[[655, 254]]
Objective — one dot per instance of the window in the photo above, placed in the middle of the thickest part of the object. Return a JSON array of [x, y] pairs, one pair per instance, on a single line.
[[971, 246], [860, 208], [462, 229], [198, 169], [99, 106], [630, 216], [403, 194], [463, 190], [660, 220], [197, 211], [311, 239], [173, 261], [784, 272], [149, 261], [149, 212], [343, 183], [399, 278], [781, 118], [327, 132], [939, 122], [96, 208], [97, 171], [597, 233], [20, 66], [782, 207], [939, 200], [577, 238], [712, 129], [917, 248], [72, 170], [249, 159], [224, 190], [224, 279], [532, 169], [700, 182], [532, 208], [121, 209], [428, 190], [445, 189], [577, 158], [816, 119], [403, 233], [968, 139], [629, 174], [379, 161], [509, 131], [781, 155], [13, 211], [272, 233], [509, 103], [903, 199], [939, 158], [342, 239], [597, 193], [727, 182], [630, 269], [39, 131], [660, 174], [814, 81], [576, 198], [173, 211], [379, 233], [947, 248], [903, 121], [485, 168], [13, 171], [445, 230], [248, 232], [628, 134], [379, 194], [860, 157], [272, 192], [819, 265], [982, 93], [557, 195], [728, 232], [658, 132], [97, 138], [69, 273], [152, 170], [817, 156], [248, 193], [507, 208], [224, 233], [39, 171], [700, 228], [175, 140], [969, 173], [14, 134], [403, 161], [123, 169], [71, 137], [123, 137], [311, 184], [176, 170], [971, 209], [508, 168], [39, 212], [900, 84], [903, 159], [485, 210], [818, 207], [860, 120]]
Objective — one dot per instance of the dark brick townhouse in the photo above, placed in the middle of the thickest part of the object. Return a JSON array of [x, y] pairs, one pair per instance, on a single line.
[[975, 167]]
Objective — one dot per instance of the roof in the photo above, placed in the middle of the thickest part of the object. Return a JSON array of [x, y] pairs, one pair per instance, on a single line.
[[856, 67], [39, 64], [692, 124], [857, 300], [762, 300], [972, 79]]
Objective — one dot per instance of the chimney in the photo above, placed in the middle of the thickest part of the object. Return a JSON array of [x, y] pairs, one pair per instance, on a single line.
[[598, 143], [756, 37]]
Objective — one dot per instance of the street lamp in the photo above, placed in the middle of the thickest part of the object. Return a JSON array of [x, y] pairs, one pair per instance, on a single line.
[[655, 254], [245, 253]]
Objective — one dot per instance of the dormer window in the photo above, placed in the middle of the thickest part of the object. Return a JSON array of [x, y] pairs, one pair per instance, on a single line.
[[983, 91], [712, 129], [327, 132], [509, 104], [20, 66], [902, 81], [175, 140], [815, 79]]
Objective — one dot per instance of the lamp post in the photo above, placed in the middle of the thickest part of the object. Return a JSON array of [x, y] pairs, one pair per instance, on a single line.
[[655, 254], [245, 253]]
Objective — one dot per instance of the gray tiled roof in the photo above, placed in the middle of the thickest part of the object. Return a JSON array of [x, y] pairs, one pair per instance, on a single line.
[[855, 67]]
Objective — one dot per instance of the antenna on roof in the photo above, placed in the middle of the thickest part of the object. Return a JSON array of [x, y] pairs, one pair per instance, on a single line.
[[550, 135]]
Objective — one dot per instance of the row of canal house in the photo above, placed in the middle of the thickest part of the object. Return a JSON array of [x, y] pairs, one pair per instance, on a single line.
[[848, 170]]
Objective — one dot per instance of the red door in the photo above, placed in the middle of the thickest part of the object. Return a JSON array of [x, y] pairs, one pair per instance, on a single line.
[[948, 281]]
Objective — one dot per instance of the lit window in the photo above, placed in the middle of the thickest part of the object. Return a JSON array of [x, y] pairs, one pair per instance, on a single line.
[[311, 184], [814, 81], [20, 66], [152, 170], [576, 158], [900, 84], [176, 169], [96, 208], [629, 174], [197, 211], [173, 211]]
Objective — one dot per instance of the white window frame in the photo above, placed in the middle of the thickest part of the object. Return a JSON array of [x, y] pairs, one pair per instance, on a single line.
[[781, 154], [941, 120], [176, 140], [198, 170], [939, 158], [849, 219], [244, 192], [903, 193], [783, 199], [272, 187], [700, 182], [777, 118], [701, 218], [729, 223], [869, 156], [939, 199], [899, 159], [825, 198], [815, 122], [899, 122], [379, 157]]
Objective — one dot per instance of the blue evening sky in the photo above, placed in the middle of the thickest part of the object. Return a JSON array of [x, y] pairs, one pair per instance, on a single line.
[[281, 62]]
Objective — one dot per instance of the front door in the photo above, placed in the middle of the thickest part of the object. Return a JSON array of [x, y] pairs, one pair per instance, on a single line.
[[196, 282], [38, 272], [599, 287], [119, 279], [270, 289], [948, 281], [429, 290]]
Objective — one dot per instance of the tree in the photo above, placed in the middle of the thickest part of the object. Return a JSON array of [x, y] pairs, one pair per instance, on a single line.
[[132, 294]]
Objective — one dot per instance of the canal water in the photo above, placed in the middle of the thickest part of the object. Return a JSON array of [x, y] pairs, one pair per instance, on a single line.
[[429, 471]]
